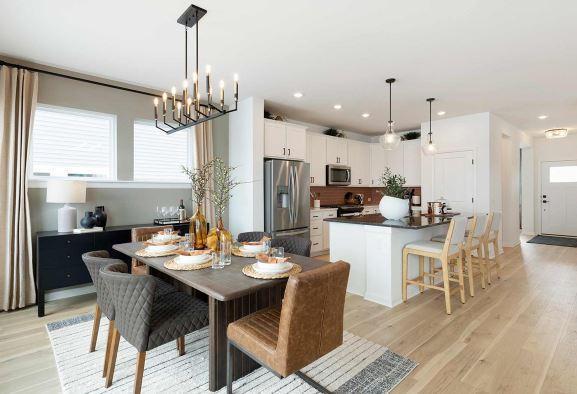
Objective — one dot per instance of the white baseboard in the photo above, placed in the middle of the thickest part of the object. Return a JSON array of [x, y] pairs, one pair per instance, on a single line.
[[72, 291]]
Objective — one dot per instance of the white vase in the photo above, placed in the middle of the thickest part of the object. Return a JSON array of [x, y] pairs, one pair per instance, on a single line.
[[394, 208]]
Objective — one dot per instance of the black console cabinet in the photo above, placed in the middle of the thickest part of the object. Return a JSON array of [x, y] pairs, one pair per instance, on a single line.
[[59, 256]]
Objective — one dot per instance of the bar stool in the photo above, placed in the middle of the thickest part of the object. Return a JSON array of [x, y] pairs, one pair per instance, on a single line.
[[445, 252]]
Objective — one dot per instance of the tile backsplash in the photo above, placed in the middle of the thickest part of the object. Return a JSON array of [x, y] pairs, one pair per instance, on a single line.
[[330, 195]]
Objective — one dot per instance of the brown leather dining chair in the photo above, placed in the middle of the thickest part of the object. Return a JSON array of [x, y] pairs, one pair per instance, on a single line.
[[141, 234], [308, 325]]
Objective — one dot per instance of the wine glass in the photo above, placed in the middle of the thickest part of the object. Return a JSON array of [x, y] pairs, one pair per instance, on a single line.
[[173, 212], [158, 212], [164, 211]]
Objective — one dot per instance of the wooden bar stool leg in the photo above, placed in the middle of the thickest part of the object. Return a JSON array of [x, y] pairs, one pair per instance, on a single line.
[[95, 327], [469, 259], [422, 272], [431, 270], [487, 261], [140, 359], [112, 358], [108, 346], [461, 277], [446, 284], [405, 266]]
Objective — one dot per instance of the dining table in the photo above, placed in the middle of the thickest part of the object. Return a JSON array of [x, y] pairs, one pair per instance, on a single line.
[[231, 295]]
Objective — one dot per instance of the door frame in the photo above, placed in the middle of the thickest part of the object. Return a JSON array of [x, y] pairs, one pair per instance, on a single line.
[[474, 155], [540, 193]]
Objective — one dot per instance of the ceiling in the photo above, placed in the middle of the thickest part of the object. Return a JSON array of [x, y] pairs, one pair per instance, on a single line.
[[515, 58]]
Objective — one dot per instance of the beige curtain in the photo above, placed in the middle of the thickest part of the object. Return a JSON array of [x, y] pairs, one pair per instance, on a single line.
[[203, 155], [18, 93]]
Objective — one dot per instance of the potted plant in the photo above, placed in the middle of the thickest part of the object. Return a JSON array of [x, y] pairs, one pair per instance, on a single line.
[[199, 180], [393, 205]]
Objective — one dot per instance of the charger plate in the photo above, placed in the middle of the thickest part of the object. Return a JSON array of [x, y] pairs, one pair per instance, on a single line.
[[248, 270], [148, 253], [173, 265]]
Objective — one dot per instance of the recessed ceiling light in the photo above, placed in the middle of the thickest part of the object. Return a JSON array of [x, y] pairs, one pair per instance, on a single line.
[[441, 113], [337, 106], [543, 117], [366, 115], [298, 95]]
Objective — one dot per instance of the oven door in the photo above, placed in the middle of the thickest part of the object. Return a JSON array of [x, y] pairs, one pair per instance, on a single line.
[[338, 175]]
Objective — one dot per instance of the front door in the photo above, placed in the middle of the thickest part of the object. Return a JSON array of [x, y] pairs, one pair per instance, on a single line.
[[454, 180], [559, 197]]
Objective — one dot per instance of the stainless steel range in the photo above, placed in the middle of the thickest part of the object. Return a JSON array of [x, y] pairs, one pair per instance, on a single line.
[[347, 209]]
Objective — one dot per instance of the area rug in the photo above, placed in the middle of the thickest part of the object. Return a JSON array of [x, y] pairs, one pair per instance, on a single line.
[[556, 241], [358, 366]]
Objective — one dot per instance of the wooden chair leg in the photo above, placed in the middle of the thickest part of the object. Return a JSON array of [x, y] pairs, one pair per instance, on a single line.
[[112, 358], [497, 266], [461, 277], [95, 327], [108, 346], [422, 272], [487, 261], [180, 346], [405, 266], [481, 266], [471, 276], [140, 358], [446, 284]]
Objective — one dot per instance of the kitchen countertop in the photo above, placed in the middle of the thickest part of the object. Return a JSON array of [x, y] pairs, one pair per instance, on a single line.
[[409, 222], [324, 209]]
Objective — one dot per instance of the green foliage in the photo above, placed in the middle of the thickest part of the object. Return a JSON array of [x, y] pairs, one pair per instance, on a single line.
[[393, 184]]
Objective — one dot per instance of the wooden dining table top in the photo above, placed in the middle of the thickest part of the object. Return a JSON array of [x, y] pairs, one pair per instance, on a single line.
[[223, 284]]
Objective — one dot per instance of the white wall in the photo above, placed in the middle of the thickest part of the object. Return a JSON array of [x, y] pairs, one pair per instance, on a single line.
[[246, 152], [528, 196], [550, 150]]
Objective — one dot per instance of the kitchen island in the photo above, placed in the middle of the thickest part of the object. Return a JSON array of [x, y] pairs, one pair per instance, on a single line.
[[374, 245]]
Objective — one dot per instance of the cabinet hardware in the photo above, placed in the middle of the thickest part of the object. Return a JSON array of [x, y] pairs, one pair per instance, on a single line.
[[289, 150], [284, 151]]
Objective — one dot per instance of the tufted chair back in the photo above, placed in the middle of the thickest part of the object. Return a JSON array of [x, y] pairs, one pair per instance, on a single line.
[[294, 245], [252, 236]]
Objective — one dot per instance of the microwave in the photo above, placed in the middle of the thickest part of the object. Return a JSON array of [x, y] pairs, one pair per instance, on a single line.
[[338, 175]]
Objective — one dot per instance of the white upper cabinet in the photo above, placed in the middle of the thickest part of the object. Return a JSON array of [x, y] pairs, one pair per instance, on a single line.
[[395, 160], [336, 150], [284, 140], [317, 158], [378, 160], [360, 163], [412, 162]]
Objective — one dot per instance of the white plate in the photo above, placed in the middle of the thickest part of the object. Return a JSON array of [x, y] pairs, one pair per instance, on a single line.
[[265, 268], [199, 259], [253, 248], [161, 248]]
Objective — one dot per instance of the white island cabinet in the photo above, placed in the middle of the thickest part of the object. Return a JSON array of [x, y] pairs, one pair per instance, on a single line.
[[373, 247]]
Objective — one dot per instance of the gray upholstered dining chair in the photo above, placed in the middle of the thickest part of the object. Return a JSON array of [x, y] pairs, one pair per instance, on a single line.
[[146, 321], [252, 236], [294, 245], [95, 261]]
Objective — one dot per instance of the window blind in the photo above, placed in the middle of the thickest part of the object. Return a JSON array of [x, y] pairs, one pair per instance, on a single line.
[[73, 143]]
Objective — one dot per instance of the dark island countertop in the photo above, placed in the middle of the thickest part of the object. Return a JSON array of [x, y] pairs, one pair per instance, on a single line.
[[409, 222]]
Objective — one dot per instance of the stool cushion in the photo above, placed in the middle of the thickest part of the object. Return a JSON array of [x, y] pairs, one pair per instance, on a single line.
[[431, 247]]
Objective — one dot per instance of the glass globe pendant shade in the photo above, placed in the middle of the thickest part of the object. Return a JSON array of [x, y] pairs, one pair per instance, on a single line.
[[429, 149], [390, 140]]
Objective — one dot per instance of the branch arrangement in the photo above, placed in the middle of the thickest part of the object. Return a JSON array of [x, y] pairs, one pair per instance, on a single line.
[[199, 180]]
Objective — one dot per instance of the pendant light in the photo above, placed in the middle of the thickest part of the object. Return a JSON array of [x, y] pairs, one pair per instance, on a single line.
[[390, 140], [430, 148]]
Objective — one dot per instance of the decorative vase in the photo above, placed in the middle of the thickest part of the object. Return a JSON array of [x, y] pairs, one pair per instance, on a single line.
[[216, 234], [88, 221], [394, 208], [198, 228], [100, 216]]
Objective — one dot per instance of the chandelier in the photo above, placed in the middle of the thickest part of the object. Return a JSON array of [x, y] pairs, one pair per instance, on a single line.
[[556, 133], [189, 110], [390, 140]]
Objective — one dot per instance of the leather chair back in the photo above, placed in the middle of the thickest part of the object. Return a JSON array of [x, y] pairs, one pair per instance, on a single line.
[[311, 322], [294, 245], [252, 236]]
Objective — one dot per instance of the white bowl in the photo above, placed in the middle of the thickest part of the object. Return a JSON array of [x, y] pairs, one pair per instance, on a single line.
[[161, 248], [272, 268], [198, 259], [163, 238], [253, 248]]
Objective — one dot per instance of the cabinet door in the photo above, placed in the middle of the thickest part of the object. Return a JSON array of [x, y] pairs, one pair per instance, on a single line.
[[377, 163], [274, 139], [359, 160], [412, 162], [394, 160], [326, 227], [296, 142], [336, 150], [317, 158]]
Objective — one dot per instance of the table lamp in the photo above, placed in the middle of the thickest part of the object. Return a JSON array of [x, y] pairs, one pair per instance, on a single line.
[[66, 192]]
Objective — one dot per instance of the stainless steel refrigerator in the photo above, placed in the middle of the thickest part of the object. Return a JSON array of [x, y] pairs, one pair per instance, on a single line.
[[286, 198]]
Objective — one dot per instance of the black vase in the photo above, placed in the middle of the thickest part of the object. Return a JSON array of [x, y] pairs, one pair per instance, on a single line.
[[88, 221], [100, 216]]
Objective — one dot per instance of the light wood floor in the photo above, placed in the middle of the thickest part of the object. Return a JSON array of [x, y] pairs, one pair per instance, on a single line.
[[518, 336]]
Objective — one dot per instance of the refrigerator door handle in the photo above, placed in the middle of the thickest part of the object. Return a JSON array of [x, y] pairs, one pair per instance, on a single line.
[[295, 196], [290, 194]]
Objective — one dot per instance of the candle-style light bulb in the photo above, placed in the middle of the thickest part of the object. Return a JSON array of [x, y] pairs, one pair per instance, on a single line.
[[185, 84], [188, 104], [173, 91], [178, 109], [164, 98], [208, 70], [155, 101], [235, 87], [221, 84]]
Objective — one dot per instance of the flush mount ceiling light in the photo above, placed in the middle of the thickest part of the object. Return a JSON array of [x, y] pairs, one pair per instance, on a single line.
[[430, 148], [298, 95], [542, 117], [556, 133], [390, 140], [337, 106], [189, 111], [366, 115], [441, 113]]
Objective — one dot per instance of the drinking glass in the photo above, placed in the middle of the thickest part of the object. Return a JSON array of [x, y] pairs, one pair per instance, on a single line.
[[167, 232], [278, 252], [188, 238], [225, 251], [173, 212], [216, 263], [158, 212], [164, 212], [266, 243]]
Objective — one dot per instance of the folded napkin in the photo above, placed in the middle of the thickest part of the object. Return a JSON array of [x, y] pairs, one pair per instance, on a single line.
[[169, 242], [265, 258]]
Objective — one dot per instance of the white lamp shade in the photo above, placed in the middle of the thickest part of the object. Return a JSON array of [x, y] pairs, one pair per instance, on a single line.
[[66, 192]]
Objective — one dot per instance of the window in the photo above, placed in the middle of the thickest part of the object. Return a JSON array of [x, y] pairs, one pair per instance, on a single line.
[[158, 156], [563, 174], [70, 143]]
